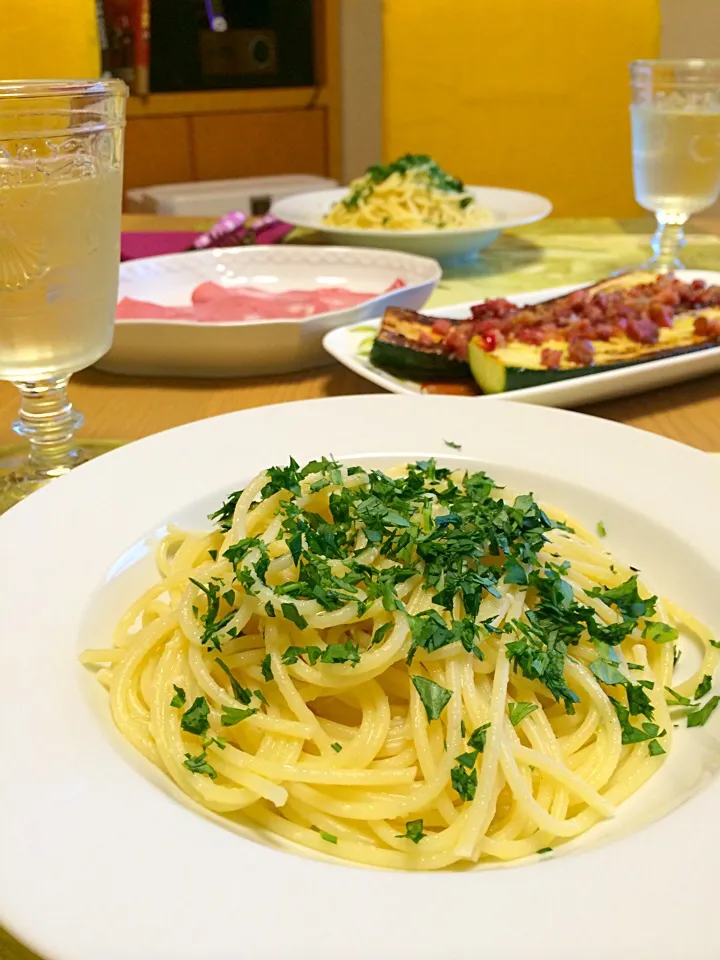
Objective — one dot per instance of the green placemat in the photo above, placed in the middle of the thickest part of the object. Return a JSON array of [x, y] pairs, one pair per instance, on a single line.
[[557, 252]]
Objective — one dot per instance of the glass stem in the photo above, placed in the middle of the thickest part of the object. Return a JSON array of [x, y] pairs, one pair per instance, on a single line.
[[49, 421], [667, 242]]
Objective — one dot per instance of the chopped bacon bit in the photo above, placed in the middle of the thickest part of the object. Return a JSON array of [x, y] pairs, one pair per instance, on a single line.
[[551, 358], [456, 342], [442, 326], [582, 352], [642, 330], [529, 335], [707, 327], [661, 314], [424, 339]]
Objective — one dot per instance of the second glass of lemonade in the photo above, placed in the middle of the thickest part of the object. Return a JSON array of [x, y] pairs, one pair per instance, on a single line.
[[675, 117]]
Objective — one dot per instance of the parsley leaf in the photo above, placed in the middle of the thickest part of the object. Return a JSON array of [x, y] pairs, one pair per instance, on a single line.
[[291, 613], [380, 633], [626, 598], [518, 711], [601, 531], [659, 632], [545, 850], [413, 831], [698, 718], [703, 687], [337, 747], [464, 783], [607, 672], [179, 699], [341, 653], [655, 749], [233, 715], [434, 697], [224, 515], [328, 837], [678, 700], [199, 764], [476, 740], [453, 446], [239, 692], [195, 718], [266, 668]]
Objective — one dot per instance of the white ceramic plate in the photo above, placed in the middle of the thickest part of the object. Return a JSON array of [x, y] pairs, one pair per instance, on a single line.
[[102, 861], [350, 346], [188, 349], [509, 208]]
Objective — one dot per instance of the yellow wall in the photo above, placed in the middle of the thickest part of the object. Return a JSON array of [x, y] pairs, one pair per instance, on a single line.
[[530, 94], [43, 39]]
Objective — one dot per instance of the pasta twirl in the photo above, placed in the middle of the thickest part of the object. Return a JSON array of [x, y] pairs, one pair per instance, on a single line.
[[408, 669], [413, 193]]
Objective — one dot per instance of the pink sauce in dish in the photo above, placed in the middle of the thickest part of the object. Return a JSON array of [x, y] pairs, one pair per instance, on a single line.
[[213, 303]]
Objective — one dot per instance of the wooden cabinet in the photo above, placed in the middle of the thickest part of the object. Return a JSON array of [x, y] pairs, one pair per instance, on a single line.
[[175, 137]]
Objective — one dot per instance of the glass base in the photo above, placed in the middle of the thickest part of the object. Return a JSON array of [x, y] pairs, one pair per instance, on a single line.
[[18, 478]]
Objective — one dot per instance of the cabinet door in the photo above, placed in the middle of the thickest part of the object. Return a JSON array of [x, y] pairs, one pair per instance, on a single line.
[[157, 150], [257, 144]]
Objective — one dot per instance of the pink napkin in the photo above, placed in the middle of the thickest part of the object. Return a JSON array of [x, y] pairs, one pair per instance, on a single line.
[[233, 230]]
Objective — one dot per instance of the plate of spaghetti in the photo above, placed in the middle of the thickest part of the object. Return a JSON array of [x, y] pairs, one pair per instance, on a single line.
[[371, 635], [413, 204]]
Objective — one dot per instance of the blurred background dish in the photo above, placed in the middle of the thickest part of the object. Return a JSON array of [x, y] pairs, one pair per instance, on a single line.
[[172, 346], [505, 209]]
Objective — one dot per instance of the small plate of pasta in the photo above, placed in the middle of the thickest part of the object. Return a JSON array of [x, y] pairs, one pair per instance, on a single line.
[[338, 660], [414, 205]]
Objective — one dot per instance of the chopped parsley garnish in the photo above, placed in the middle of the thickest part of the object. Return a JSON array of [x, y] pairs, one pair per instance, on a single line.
[[659, 632], [337, 747], [626, 599], [328, 837], [291, 613], [239, 692], [195, 718], [434, 697], [413, 831], [713, 643], [220, 742], [678, 700], [380, 633], [655, 748], [179, 699], [212, 554], [212, 624], [703, 687], [698, 718], [545, 850], [477, 738], [607, 673], [631, 733], [517, 711], [232, 715], [269, 609], [601, 531], [224, 515], [452, 444], [199, 764], [464, 783], [266, 668]]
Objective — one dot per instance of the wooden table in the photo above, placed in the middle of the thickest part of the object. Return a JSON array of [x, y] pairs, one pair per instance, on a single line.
[[128, 407]]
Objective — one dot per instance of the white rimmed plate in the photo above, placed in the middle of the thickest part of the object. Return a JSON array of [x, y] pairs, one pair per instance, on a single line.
[[186, 348], [509, 208], [101, 860], [351, 346]]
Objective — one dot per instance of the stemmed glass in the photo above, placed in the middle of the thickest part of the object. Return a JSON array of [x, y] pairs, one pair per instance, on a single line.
[[675, 116], [61, 151]]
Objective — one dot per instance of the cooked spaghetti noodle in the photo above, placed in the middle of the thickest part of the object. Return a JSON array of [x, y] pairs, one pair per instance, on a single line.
[[412, 193], [407, 669]]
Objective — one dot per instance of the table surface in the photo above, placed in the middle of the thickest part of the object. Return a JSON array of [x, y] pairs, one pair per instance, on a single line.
[[126, 408]]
